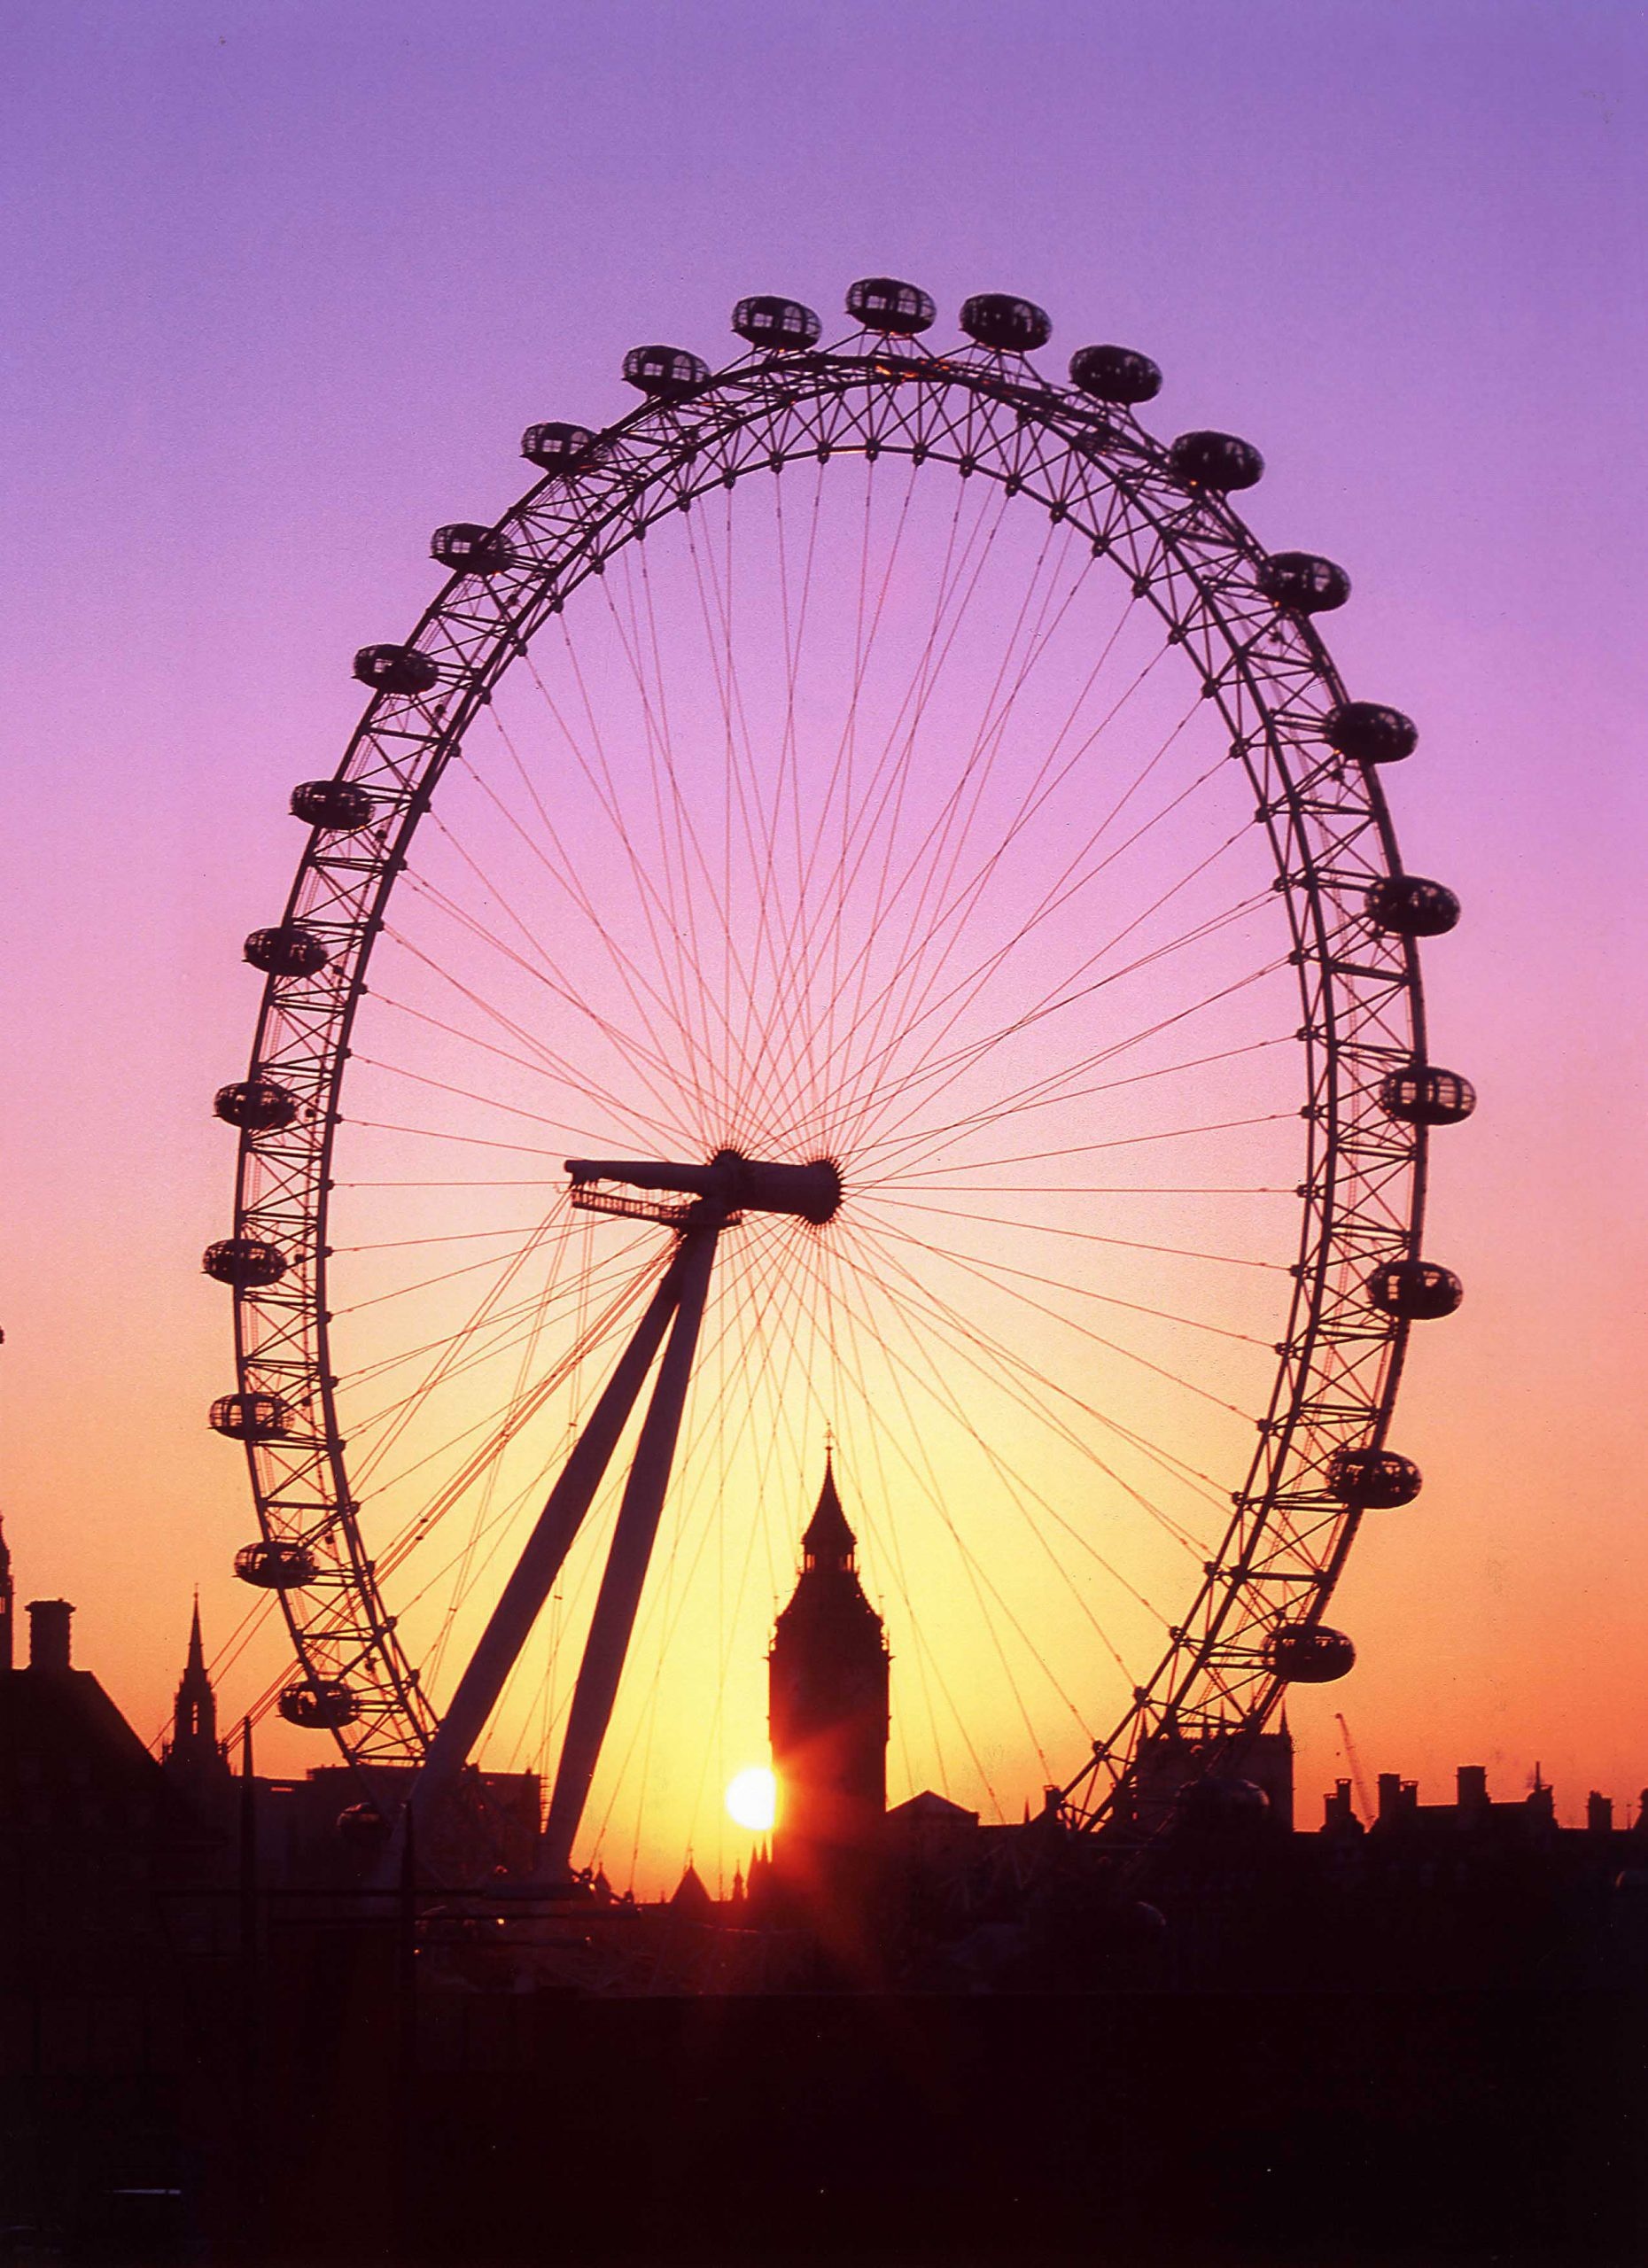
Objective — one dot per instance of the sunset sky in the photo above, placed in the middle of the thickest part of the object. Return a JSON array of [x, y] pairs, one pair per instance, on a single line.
[[283, 284]]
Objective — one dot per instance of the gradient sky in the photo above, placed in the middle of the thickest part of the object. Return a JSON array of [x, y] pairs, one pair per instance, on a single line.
[[282, 286]]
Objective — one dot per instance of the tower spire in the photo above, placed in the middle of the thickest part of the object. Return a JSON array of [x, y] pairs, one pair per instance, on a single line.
[[8, 1605], [828, 1541], [194, 1749]]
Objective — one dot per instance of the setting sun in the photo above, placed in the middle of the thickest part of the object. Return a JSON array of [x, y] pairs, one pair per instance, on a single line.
[[752, 1798]]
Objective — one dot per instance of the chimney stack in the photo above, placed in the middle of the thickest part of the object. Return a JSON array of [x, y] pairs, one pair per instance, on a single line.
[[1337, 1810], [1472, 1787], [1398, 1799], [1599, 1813], [49, 1633]]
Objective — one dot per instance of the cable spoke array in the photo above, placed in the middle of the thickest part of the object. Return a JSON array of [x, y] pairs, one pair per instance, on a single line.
[[801, 797]]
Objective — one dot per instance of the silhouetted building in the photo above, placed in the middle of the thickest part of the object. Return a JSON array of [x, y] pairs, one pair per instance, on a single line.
[[828, 1720], [88, 1828], [1171, 1772], [327, 1829], [930, 1831]]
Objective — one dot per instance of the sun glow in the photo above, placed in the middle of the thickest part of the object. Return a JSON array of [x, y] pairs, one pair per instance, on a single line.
[[752, 1798]]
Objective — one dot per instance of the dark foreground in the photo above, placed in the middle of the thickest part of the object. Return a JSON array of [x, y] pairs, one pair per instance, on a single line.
[[1171, 2129]]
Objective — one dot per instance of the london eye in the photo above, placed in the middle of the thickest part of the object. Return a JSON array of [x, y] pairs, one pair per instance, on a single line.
[[863, 912]]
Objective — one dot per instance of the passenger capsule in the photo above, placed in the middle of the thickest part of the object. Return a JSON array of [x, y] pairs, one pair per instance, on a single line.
[[1408, 905], [1423, 1094], [338, 806], [251, 1417], [778, 324], [1303, 582], [288, 949], [244, 1262], [1216, 461], [276, 1565], [256, 1106], [363, 1827], [1218, 1805], [1373, 1480], [561, 449], [896, 310], [1307, 1653], [396, 669], [321, 1702], [667, 373], [1418, 1291], [1115, 374], [1369, 733], [1009, 325], [468, 550]]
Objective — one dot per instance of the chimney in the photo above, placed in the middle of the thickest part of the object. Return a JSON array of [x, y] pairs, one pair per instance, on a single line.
[[1389, 1795], [1472, 1787], [49, 1633], [1599, 1813]]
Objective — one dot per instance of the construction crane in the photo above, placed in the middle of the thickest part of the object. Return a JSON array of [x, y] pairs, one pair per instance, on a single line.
[[1364, 1803]]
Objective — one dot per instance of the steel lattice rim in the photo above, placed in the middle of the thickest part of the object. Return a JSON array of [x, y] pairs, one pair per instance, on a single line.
[[990, 415]]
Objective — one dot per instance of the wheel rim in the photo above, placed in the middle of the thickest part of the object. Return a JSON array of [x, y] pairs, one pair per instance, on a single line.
[[1259, 685]]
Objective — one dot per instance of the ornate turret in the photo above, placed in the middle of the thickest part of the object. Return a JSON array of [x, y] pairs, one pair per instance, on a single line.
[[827, 1674], [194, 1750]]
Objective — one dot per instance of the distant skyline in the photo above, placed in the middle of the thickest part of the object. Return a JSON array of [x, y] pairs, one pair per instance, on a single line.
[[285, 284]]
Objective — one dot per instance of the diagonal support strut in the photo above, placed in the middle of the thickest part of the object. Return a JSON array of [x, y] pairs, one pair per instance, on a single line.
[[628, 1559], [718, 1195], [563, 1515]]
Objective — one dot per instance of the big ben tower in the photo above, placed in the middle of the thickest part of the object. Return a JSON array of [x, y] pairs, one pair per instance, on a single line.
[[827, 1720]]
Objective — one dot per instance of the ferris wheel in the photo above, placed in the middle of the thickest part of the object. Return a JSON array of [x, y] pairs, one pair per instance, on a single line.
[[882, 927]]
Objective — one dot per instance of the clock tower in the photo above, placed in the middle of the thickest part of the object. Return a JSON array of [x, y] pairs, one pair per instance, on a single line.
[[826, 1694]]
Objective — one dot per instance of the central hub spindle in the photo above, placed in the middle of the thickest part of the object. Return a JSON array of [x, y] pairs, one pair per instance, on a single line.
[[730, 1184]]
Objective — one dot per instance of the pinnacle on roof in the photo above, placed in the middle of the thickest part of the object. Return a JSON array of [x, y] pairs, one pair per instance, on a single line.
[[196, 1654], [829, 1541]]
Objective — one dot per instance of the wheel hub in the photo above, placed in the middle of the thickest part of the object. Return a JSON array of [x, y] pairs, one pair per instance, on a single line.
[[725, 1189]]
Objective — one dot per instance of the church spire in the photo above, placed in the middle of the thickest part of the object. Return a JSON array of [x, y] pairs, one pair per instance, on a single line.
[[193, 1747]]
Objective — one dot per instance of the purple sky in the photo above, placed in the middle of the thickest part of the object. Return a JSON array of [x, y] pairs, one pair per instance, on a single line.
[[282, 285]]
